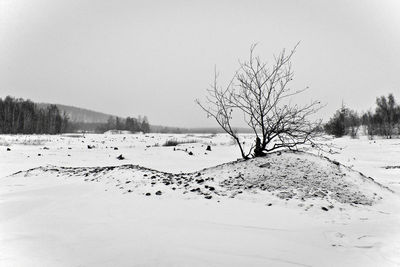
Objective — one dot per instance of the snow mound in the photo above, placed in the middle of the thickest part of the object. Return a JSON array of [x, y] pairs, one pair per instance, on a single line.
[[299, 175], [286, 175]]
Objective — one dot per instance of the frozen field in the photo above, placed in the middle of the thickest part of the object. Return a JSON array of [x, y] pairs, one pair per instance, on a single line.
[[163, 208]]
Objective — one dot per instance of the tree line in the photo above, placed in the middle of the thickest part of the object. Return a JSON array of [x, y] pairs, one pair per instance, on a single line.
[[19, 116], [139, 124], [383, 121]]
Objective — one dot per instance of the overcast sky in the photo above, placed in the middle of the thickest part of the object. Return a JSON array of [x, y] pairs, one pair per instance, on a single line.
[[155, 57]]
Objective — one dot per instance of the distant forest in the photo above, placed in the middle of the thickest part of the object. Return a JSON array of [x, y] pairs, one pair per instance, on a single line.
[[139, 124], [134, 125], [18, 116]]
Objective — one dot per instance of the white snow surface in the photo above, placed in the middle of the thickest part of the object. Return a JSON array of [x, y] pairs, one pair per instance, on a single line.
[[78, 205]]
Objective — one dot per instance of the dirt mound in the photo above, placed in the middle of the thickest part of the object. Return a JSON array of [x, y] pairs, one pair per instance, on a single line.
[[287, 175]]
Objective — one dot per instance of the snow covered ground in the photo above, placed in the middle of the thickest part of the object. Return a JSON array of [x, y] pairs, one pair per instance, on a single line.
[[73, 211]]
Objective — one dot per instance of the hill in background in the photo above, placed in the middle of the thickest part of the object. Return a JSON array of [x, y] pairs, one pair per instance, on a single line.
[[76, 114]]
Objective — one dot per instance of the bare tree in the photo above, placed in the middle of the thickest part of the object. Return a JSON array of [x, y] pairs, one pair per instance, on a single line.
[[263, 95], [353, 122], [386, 114]]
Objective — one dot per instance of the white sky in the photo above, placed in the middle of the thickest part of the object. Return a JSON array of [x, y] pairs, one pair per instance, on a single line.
[[155, 57]]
